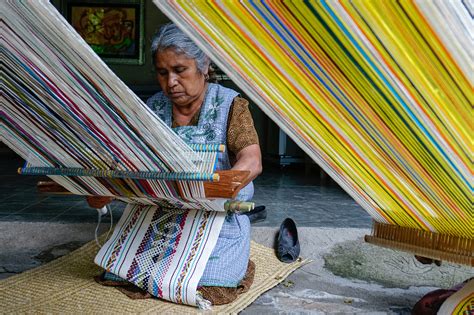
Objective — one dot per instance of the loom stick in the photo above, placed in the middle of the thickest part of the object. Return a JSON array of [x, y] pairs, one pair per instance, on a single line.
[[451, 248], [229, 184]]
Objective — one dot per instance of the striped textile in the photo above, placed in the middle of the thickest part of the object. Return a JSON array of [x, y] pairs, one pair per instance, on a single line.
[[162, 252], [378, 93]]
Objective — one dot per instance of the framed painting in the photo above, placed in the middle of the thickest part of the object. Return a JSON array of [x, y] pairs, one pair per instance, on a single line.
[[114, 29]]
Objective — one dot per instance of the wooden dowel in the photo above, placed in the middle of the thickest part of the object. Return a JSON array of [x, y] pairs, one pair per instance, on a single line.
[[229, 184]]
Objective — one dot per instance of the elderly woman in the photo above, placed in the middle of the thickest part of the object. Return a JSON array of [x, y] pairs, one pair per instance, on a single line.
[[203, 112]]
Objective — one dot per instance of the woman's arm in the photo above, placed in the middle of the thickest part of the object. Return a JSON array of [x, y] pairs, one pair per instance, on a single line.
[[242, 139], [249, 159]]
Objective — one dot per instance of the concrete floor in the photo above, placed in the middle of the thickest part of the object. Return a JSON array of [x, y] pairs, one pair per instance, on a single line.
[[347, 276]]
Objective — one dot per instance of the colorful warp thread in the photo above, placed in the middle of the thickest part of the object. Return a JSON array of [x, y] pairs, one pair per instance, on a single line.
[[66, 113], [163, 252], [378, 93]]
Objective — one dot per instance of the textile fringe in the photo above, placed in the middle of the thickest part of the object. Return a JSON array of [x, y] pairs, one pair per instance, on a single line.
[[451, 248]]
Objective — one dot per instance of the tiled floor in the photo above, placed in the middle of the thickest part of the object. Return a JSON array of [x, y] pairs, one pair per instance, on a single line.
[[286, 192]]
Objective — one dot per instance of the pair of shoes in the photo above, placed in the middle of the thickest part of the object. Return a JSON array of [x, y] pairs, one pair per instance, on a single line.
[[258, 214], [288, 246]]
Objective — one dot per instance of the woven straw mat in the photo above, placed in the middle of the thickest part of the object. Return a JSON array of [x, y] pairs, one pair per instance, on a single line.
[[66, 285]]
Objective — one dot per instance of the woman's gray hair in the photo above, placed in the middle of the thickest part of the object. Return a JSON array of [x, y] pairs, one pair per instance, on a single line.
[[170, 36]]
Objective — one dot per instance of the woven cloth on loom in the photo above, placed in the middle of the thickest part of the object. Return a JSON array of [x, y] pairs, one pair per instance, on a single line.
[[153, 248], [378, 93]]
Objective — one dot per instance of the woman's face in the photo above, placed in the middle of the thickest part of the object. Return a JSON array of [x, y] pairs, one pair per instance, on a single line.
[[179, 78]]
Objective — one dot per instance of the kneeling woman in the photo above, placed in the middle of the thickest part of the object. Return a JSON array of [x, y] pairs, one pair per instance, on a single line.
[[201, 112]]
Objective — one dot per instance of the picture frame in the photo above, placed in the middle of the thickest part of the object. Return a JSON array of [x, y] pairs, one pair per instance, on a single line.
[[113, 28]]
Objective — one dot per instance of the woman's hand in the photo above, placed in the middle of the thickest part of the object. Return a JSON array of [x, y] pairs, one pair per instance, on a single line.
[[98, 202]]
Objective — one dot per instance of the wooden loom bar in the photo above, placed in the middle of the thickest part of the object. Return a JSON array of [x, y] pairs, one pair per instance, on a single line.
[[229, 184], [424, 243]]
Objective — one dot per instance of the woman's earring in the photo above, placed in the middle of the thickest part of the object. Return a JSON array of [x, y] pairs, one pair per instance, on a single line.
[[206, 77]]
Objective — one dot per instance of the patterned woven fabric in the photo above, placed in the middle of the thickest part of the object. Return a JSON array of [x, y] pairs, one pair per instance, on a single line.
[[163, 251], [378, 93]]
